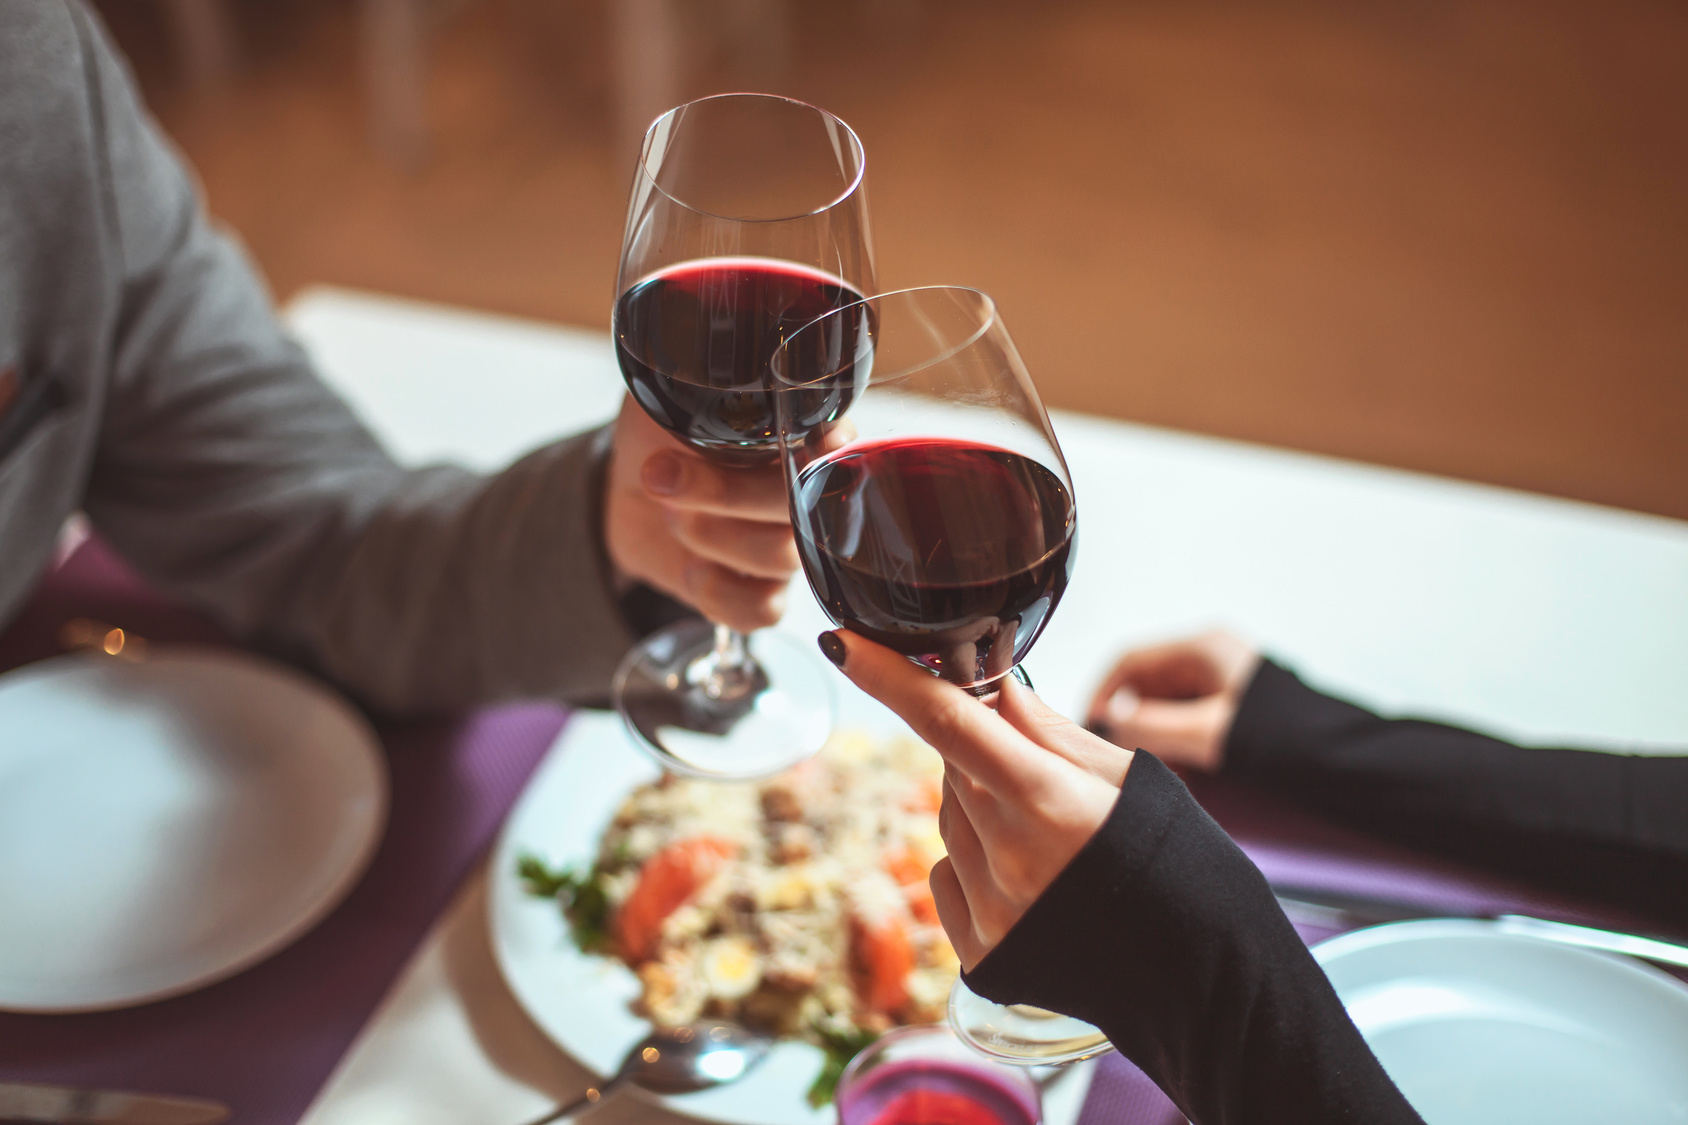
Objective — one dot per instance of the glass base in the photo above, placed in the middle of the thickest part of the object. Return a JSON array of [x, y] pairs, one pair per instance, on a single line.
[[775, 711], [1021, 1034]]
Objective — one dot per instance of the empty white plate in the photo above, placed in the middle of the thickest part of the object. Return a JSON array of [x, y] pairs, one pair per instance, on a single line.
[[1476, 1025], [165, 824]]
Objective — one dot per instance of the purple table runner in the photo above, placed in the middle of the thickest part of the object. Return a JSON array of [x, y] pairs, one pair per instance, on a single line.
[[265, 1040]]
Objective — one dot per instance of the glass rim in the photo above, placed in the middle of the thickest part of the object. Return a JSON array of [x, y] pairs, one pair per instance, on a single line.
[[987, 321], [947, 1033], [850, 189]]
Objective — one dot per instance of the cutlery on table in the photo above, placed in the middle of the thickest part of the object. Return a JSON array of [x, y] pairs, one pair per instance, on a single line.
[[1588, 937], [678, 1060], [1353, 912], [69, 1105]]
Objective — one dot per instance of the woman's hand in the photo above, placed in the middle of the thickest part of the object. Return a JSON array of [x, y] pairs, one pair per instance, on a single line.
[[1024, 789], [718, 539], [1176, 700]]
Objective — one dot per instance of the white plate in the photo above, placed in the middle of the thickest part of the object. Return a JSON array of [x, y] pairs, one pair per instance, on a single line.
[[165, 824], [583, 1002], [1481, 1026]]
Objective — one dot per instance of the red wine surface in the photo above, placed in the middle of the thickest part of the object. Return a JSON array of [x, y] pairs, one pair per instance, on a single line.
[[933, 1092], [694, 341], [952, 553]]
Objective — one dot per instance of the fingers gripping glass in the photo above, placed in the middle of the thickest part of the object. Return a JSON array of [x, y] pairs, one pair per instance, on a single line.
[[748, 219], [936, 518]]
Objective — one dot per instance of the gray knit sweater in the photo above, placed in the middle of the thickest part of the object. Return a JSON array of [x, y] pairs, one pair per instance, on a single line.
[[144, 379]]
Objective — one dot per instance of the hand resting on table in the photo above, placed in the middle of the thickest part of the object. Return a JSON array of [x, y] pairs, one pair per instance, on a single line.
[[1176, 700]]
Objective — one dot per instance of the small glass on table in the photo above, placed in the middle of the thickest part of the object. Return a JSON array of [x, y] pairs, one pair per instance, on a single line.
[[926, 1076]]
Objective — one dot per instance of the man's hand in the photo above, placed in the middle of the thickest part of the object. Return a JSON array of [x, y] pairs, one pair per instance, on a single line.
[[718, 539], [1178, 700], [1024, 790]]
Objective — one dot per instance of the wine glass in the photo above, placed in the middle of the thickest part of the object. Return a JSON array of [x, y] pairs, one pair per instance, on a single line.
[[936, 518], [748, 220]]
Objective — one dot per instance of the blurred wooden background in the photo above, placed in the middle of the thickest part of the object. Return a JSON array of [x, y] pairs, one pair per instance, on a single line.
[[1446, 235]]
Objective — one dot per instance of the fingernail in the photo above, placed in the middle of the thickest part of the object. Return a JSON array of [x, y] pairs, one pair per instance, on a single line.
[[661, 474], [1123, 705], [833, 648]]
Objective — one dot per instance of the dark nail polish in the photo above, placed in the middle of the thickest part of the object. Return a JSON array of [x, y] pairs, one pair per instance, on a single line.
[[833, 647]]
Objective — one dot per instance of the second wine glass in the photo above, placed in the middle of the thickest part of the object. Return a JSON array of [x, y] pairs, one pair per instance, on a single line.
[[748, 220], [937, 518]]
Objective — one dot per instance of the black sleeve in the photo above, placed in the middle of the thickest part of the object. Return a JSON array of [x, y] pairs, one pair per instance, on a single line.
[[1164, 935], [1613, 826]]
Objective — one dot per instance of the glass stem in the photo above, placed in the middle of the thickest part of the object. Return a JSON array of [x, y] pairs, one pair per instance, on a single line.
[[729, 649], [991, 687], [727, 671]]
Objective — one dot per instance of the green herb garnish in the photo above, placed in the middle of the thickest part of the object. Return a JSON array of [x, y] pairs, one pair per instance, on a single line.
[[584, 901], [840, 1048]]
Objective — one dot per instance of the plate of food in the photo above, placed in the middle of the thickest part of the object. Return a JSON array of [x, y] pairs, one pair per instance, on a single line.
[[624, 899]]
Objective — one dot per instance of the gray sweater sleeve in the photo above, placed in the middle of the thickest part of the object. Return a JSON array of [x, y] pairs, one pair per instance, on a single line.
[[229, 474]]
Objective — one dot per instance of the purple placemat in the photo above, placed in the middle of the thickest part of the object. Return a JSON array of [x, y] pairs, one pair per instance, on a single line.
[[265, 1040], [1298, 853]]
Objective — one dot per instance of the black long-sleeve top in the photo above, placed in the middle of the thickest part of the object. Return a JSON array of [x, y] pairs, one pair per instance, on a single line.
[[1609, 827]]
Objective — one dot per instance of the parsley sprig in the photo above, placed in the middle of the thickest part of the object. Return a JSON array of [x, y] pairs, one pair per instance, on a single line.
[[840, 1048], [584, 901]]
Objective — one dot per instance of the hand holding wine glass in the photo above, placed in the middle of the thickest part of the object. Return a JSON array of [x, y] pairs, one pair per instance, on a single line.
[[938, 521], [1024, 789], [747, 220]]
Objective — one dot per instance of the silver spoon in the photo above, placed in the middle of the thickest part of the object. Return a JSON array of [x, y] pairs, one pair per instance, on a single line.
[[678, 1060]]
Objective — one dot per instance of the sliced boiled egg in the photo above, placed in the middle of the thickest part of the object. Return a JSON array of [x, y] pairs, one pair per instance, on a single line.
[[731, 967]]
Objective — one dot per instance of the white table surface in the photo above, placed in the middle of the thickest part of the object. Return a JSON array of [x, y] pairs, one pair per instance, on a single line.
[[1537, 618]]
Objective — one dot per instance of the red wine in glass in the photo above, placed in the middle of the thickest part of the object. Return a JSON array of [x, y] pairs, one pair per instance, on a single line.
[[948, 551], [933, 1092], [694, 342]]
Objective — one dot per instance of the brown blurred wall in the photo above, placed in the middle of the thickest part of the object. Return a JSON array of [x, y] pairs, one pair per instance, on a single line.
[[1445, 236]]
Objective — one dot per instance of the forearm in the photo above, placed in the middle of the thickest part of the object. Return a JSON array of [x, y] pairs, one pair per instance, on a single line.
[[1164, 935], [1605, 827], [487, 588], [418, 591], [1340, 757]]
